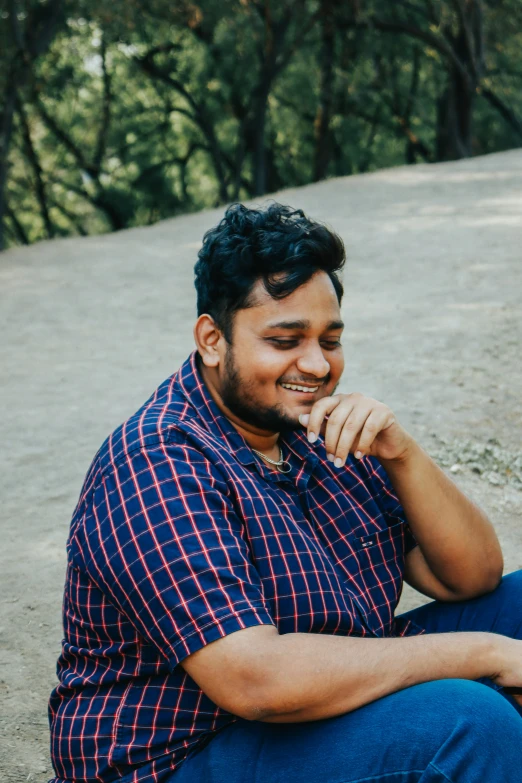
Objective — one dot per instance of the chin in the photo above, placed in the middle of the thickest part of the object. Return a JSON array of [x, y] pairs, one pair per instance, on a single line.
[[293, 417]]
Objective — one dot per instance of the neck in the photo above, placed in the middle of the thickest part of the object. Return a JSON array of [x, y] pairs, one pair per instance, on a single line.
[[261, 440]]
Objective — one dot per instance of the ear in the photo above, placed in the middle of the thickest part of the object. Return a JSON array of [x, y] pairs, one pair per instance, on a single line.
[[207, 336]]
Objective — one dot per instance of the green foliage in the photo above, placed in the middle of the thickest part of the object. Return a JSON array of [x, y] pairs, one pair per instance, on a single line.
[[127, 113]]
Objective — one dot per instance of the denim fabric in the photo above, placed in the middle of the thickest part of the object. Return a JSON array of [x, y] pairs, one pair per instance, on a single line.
[[497, 612], [444, 731]]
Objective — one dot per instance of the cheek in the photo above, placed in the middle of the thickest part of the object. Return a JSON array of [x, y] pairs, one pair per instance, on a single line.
[[336, 363], [271, 367], [261, 367]]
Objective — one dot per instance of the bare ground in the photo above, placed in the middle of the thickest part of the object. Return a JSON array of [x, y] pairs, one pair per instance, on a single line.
[[91, 326]]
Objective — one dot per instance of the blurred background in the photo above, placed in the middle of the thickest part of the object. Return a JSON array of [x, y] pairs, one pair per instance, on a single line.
[[118, 114]]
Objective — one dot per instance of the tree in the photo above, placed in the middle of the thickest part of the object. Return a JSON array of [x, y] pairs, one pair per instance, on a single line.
[[25, 36], [120, 114]]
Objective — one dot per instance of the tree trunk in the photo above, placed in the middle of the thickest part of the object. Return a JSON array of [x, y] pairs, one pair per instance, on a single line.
[[18, 229], [258, 146], [6, 131], [455, 107], [34, 162], [30, 42], [323, 144], [454, 118]]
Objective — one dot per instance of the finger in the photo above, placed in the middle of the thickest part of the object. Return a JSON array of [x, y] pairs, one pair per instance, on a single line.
[[335, 424], [350, 431], [343, 416], [377, 421], [315, 419]]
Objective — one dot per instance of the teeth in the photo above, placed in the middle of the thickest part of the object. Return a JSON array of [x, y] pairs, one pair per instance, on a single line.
[[299, 388]]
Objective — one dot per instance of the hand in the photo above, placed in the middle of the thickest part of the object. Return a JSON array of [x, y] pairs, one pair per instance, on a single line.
[[508, 665], [352, 423]]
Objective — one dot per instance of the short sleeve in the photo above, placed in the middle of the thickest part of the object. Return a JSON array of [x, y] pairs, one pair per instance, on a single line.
[[167, 547], [386, 498]]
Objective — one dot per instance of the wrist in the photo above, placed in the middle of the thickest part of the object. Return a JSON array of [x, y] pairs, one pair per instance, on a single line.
[[404, 457], [485, 654]]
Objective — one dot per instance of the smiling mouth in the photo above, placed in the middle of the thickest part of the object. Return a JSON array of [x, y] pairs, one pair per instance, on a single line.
[[300, 389]]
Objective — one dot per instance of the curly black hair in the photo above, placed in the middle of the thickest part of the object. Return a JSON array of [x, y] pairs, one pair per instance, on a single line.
[[279, 245]]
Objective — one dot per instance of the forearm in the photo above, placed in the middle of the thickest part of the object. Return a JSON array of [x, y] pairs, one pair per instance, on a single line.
[[456, 538], [317, 676]]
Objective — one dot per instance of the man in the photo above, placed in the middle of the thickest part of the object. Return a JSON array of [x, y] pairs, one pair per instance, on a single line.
[[238, 551]]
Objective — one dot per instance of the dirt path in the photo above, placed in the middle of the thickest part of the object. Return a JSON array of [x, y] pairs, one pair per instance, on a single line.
[[91, 326]]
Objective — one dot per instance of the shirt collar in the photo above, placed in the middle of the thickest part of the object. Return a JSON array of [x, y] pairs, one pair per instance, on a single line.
[[192, 386]]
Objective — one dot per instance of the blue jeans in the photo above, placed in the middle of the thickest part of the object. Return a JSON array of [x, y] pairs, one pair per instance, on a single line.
[[444, 731]]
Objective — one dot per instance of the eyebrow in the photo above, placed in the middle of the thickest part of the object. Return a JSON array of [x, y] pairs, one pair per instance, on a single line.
[[303, 325]]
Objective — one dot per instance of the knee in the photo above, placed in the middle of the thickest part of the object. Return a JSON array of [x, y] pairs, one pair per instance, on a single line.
[[464, 728], [447, 719], [470, 707]]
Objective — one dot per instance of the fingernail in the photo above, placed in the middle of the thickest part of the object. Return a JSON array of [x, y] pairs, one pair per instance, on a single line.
[[330, 457], [338, 462], [304, 418], [358, 454], [312, 436]]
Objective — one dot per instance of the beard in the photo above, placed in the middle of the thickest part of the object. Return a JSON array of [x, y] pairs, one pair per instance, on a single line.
[[238, 396]]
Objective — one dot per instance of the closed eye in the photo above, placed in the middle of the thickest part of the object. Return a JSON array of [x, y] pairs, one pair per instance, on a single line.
[[283, 343], [329, 345]]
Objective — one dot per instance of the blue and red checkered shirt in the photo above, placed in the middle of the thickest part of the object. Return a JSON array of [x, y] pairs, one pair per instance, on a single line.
[[182, 535]]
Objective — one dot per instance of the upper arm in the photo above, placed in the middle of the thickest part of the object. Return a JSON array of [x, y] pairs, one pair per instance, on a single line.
[[419, 575], [165, 545], [233, 671]]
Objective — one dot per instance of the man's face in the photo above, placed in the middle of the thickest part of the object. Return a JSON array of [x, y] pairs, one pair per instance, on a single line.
[[277, 343]]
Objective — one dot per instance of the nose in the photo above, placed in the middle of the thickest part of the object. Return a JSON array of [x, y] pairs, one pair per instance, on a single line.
[[313, 362]]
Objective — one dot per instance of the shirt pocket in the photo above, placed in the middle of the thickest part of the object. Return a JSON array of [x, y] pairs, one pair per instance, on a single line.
[[388, 540], [380, 557]]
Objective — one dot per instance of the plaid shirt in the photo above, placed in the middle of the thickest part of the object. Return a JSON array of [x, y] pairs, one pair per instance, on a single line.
[[181, 536]]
